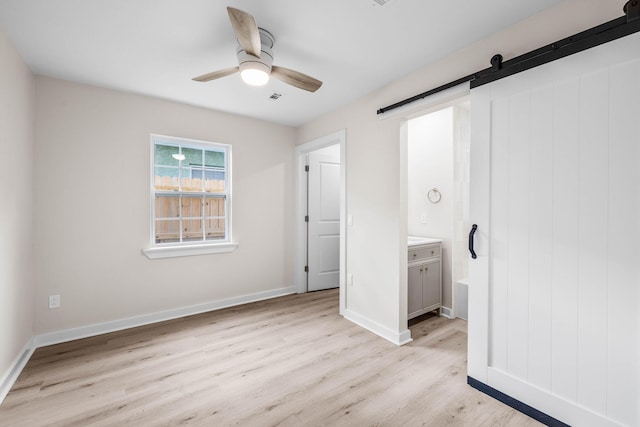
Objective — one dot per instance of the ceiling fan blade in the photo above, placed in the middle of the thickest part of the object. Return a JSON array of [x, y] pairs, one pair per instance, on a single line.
[[246, 31], [217, 74], [295, 78]]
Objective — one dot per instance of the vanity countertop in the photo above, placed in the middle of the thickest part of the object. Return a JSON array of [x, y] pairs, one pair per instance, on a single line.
[[418, 240]]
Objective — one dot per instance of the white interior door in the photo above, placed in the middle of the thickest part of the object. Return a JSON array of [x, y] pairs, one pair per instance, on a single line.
[[324, 219], [554, 301]]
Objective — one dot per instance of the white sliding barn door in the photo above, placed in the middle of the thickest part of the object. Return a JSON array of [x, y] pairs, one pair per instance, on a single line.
[[554, 298]]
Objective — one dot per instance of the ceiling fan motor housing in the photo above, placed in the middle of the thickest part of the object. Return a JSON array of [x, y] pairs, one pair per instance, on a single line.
[[266, 54]]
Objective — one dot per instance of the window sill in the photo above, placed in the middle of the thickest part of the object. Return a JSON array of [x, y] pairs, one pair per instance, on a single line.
[[189, 250]]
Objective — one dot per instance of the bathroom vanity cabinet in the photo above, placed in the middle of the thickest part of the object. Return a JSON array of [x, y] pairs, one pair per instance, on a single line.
[[424, 277]]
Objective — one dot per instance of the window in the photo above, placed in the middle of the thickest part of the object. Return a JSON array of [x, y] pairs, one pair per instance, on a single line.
[[191, 192]]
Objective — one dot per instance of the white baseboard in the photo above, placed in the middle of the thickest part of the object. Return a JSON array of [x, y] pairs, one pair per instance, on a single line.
[[145, 319], [11, 375], [447, 312], [543, 400], [400, 338]]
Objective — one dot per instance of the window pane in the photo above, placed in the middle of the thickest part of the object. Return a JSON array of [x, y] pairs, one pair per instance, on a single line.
[[192, 230], [192, 179], [191, 218], [167, 207], [166, 178], [191, 207], [214, 181], [214, 159], [211, 173], [164, 155], [197, 172], [167, 230], [215, 171], [215, 218]]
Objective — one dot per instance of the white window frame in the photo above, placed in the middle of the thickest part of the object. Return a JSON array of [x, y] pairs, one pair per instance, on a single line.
[[175, 249]]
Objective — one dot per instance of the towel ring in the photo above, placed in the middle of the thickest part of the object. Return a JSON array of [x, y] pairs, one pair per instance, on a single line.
[[434, 195]]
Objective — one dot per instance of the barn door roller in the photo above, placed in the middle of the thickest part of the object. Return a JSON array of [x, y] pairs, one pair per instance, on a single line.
[[632, 10]]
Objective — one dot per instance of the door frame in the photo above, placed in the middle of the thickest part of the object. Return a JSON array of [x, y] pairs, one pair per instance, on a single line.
[[300, 247], [430, 104]]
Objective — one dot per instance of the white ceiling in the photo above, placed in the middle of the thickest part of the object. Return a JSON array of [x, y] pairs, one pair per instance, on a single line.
[[155, 47]]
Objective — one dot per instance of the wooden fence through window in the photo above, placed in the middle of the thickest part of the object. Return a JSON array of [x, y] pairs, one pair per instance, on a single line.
[[188, 184], [168, 207]]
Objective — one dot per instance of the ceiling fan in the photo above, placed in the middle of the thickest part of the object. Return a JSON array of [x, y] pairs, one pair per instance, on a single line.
[[255, 57]]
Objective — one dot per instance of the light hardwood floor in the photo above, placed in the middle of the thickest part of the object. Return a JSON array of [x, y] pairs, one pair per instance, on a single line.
[[290, 361]]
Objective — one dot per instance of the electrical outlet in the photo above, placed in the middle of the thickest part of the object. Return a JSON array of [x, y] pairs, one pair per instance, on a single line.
[[349, 279], [54, 301]]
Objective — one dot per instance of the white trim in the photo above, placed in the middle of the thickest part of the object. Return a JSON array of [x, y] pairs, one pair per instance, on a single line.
[[447, 312], [544, 401], [160, 252], [146, 319], [343, 221], [396, 338], [11, 375], [300, 244]]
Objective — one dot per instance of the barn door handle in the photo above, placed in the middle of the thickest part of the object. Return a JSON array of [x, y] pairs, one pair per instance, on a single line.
[[474, 227]]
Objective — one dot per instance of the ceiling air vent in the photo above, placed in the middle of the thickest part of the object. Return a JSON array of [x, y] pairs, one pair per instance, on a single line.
[[380, 2], [275, 96]]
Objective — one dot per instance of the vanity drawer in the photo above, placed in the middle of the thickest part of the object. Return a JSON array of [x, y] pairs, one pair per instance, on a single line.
[[424, 252]]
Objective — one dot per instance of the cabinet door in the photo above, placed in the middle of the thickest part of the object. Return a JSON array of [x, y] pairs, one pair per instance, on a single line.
[[415, 289], [431, 285]]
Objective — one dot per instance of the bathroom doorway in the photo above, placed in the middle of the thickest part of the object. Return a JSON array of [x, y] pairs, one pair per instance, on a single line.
[[438, 146]]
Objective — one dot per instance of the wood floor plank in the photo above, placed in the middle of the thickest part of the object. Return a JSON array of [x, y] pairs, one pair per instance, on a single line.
[[289, 361]]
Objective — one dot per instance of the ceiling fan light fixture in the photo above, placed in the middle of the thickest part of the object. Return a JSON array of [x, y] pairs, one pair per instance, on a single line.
[[254, 77], [254, 73], [255, 57], [255, 70]]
